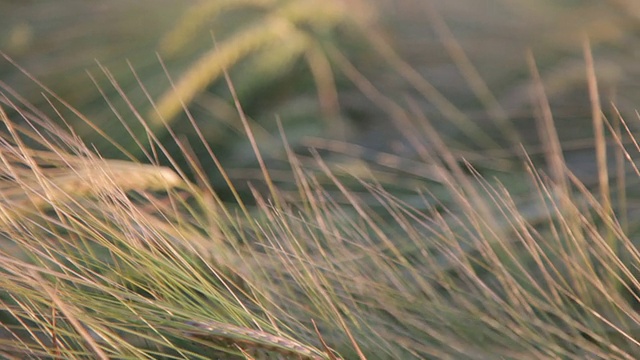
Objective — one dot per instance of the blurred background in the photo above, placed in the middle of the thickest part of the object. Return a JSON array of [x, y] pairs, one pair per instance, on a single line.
[[313, 64]]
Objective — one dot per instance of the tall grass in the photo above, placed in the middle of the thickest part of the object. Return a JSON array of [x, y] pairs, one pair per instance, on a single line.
[[109, 258], [115, 259]]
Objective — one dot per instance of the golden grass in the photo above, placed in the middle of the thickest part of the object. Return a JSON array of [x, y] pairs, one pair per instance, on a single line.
[[130, 270], [116, 259]]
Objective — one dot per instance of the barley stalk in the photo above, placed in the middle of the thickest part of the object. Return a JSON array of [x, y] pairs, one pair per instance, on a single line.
[[253, 339]]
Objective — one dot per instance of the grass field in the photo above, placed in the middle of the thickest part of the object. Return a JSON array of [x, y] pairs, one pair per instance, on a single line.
[[265, 179]]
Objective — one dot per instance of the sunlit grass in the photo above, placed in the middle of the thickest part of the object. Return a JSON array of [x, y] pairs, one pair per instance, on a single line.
[[107, 258], [114, 259]]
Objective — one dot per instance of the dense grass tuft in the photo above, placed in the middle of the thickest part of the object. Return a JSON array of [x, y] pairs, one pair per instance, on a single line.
[[105, 258]]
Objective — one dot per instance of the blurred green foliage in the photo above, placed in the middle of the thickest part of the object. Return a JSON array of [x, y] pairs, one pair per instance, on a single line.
[[473, 55]]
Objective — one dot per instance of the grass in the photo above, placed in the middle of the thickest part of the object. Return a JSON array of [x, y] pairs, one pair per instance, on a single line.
[[105, 258]]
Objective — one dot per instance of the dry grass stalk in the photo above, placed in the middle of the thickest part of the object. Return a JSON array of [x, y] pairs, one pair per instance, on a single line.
[[254, 340]]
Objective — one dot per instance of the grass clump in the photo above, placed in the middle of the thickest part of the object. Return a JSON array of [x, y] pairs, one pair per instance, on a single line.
[[115, 259], [110, 258]]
